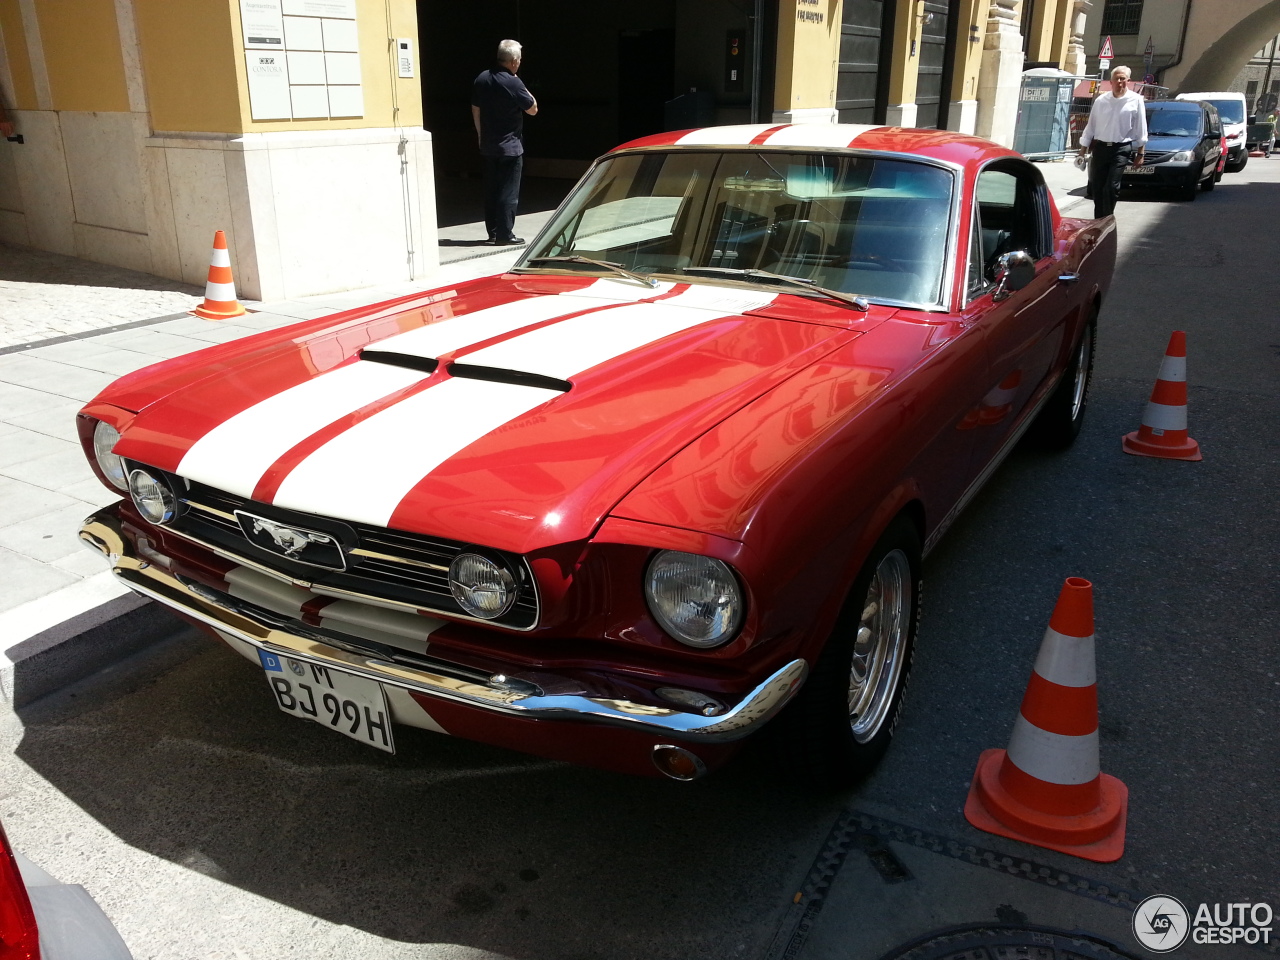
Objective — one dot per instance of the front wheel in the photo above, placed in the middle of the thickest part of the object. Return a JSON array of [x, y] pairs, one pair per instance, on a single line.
[[1059, 423], [1208, 183], [841, 723]]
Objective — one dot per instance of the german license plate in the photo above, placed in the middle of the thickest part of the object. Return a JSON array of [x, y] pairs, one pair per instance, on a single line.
[[1139, 170], [352, 705]]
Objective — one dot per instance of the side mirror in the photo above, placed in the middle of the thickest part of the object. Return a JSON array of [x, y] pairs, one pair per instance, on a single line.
[[1014, 271]]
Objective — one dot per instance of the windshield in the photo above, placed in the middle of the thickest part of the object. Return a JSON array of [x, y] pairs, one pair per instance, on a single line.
[[1173, 121], [870, 226], [1231, 111]]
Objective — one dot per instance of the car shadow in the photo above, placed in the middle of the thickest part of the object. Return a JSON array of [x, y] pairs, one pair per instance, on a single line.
[[447, 841]]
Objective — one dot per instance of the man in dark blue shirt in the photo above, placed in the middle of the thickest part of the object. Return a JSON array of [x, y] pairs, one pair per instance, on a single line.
[[499, 101]]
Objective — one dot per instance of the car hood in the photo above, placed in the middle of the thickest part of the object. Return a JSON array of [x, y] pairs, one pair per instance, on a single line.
[[1174, 144], [550, 399]]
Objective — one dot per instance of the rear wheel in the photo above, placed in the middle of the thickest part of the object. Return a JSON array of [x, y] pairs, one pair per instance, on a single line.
[[841, 723], [1060, 421]]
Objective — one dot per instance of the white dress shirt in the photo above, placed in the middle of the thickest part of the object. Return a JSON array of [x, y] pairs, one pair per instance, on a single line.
[[1117, 120]]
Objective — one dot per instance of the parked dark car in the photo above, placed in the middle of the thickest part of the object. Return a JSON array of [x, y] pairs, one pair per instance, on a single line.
[[1184, 145]]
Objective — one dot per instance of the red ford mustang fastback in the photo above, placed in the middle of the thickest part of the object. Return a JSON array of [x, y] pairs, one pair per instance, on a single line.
[[672, 473]]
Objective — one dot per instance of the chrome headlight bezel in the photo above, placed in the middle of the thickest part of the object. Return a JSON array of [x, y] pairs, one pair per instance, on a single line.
[[707, 621], [473, 571], [1182, 156], [112, 465], [153, 496]]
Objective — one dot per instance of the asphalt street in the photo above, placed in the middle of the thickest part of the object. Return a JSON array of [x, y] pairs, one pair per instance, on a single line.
[[209, 825]]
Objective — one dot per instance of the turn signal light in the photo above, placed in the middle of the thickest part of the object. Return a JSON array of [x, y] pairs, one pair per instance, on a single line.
[[19, 938], [677, 762]]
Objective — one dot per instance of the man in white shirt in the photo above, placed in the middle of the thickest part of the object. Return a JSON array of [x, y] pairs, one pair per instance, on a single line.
[[1115, 137]]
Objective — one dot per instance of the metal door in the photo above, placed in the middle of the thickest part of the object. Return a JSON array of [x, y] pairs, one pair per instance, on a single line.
[[857, 79], [932, 53]]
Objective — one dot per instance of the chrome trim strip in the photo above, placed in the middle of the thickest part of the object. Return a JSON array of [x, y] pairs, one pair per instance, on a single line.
[[103, 532], [980, 480], [374, 555]]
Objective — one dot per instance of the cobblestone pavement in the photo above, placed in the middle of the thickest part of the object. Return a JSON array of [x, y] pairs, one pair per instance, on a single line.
[[44, 295]]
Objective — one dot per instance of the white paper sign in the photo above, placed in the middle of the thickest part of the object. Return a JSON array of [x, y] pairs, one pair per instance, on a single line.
[[343, 9], [268, 85], [262, 24], [404, 58]]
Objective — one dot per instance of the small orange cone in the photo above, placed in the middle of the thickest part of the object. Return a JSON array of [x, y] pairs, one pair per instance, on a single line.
[[1164, 426], [220, 301], [1047, 788]]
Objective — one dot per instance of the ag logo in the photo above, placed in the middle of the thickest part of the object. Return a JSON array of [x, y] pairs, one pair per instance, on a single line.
[[1160, 924]]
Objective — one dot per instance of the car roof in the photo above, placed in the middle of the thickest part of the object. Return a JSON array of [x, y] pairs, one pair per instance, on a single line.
[[1180, 104], [1211, 94], [942, 145]]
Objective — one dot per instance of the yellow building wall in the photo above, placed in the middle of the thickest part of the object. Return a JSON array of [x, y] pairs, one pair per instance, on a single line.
[[383, 90], [808, 53], [968, 61], [15, 46], [904, 65], [82, 55], [189, 64]]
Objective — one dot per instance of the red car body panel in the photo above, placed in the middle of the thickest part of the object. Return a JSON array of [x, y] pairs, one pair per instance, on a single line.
[[776, 432]]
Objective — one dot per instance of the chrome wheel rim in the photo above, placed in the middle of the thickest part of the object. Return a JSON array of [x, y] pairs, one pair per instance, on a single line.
[[878, 647], [1082, 373]]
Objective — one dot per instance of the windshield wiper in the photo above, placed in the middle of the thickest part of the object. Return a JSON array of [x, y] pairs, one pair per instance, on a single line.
[[605, 264], [781, 278]]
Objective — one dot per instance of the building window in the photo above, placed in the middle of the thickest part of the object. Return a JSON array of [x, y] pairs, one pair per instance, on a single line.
[[1121, 16]]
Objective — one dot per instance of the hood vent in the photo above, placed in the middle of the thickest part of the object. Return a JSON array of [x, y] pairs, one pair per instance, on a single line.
[[406, 360], [521, 378]]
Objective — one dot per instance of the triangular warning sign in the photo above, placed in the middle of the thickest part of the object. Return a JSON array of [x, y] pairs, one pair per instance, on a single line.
[[1106, 53]]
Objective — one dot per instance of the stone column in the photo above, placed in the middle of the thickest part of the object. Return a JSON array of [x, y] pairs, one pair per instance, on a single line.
[[1001, 76], [1075, 46]]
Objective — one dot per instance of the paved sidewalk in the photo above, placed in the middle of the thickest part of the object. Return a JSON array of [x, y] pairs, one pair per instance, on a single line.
[[46, 485]]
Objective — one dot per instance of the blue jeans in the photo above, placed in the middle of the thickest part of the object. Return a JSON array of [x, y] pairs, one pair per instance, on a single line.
[[501, 195]]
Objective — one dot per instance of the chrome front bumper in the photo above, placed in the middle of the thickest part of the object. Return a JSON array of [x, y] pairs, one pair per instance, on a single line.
[[499, 693]]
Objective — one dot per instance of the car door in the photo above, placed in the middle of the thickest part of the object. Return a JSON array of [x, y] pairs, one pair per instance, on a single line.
[[1211, 141], [1022, 329]]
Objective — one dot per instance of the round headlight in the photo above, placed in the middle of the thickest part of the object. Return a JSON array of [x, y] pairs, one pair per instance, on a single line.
[[696, 599], [112, 467], [152, 496], [483, 588]]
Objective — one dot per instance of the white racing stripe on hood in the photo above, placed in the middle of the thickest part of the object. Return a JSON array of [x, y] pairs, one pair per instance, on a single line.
[[736, 135], [235, 454], [445, 336], [364, 473], [819, 134], [580, 343]]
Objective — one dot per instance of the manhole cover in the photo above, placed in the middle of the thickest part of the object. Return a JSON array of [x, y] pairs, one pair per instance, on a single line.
[[1005, 943]]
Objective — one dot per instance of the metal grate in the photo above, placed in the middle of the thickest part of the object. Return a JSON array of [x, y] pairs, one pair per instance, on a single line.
[[1121, 17], [391, 565]]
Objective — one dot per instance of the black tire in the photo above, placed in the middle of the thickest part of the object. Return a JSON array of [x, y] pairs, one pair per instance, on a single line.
[[819, 733], [1188, 190], [1059, 423], [1217, 176], [1208, 183]]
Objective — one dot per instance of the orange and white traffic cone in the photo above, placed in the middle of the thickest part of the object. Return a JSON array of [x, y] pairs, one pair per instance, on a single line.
[[1047, 789], [220, 301], [1164, 426]]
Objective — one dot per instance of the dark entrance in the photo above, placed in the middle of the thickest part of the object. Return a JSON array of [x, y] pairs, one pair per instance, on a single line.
[[936, 51], [860, 95], [646, 80]]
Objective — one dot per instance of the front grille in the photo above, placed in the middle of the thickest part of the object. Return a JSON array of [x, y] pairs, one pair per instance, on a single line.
[[404, 568], [1150, 158]]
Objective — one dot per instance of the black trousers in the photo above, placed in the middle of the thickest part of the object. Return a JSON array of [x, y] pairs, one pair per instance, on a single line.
[[1106, 166], [501, 195]]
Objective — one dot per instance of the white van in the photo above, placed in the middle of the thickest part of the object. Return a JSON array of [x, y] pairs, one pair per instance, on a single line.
[[1231, 107]]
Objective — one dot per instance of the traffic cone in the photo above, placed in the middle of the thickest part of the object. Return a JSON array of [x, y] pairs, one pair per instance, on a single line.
[[1047, 788], [1164, 426], [220, 301]]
